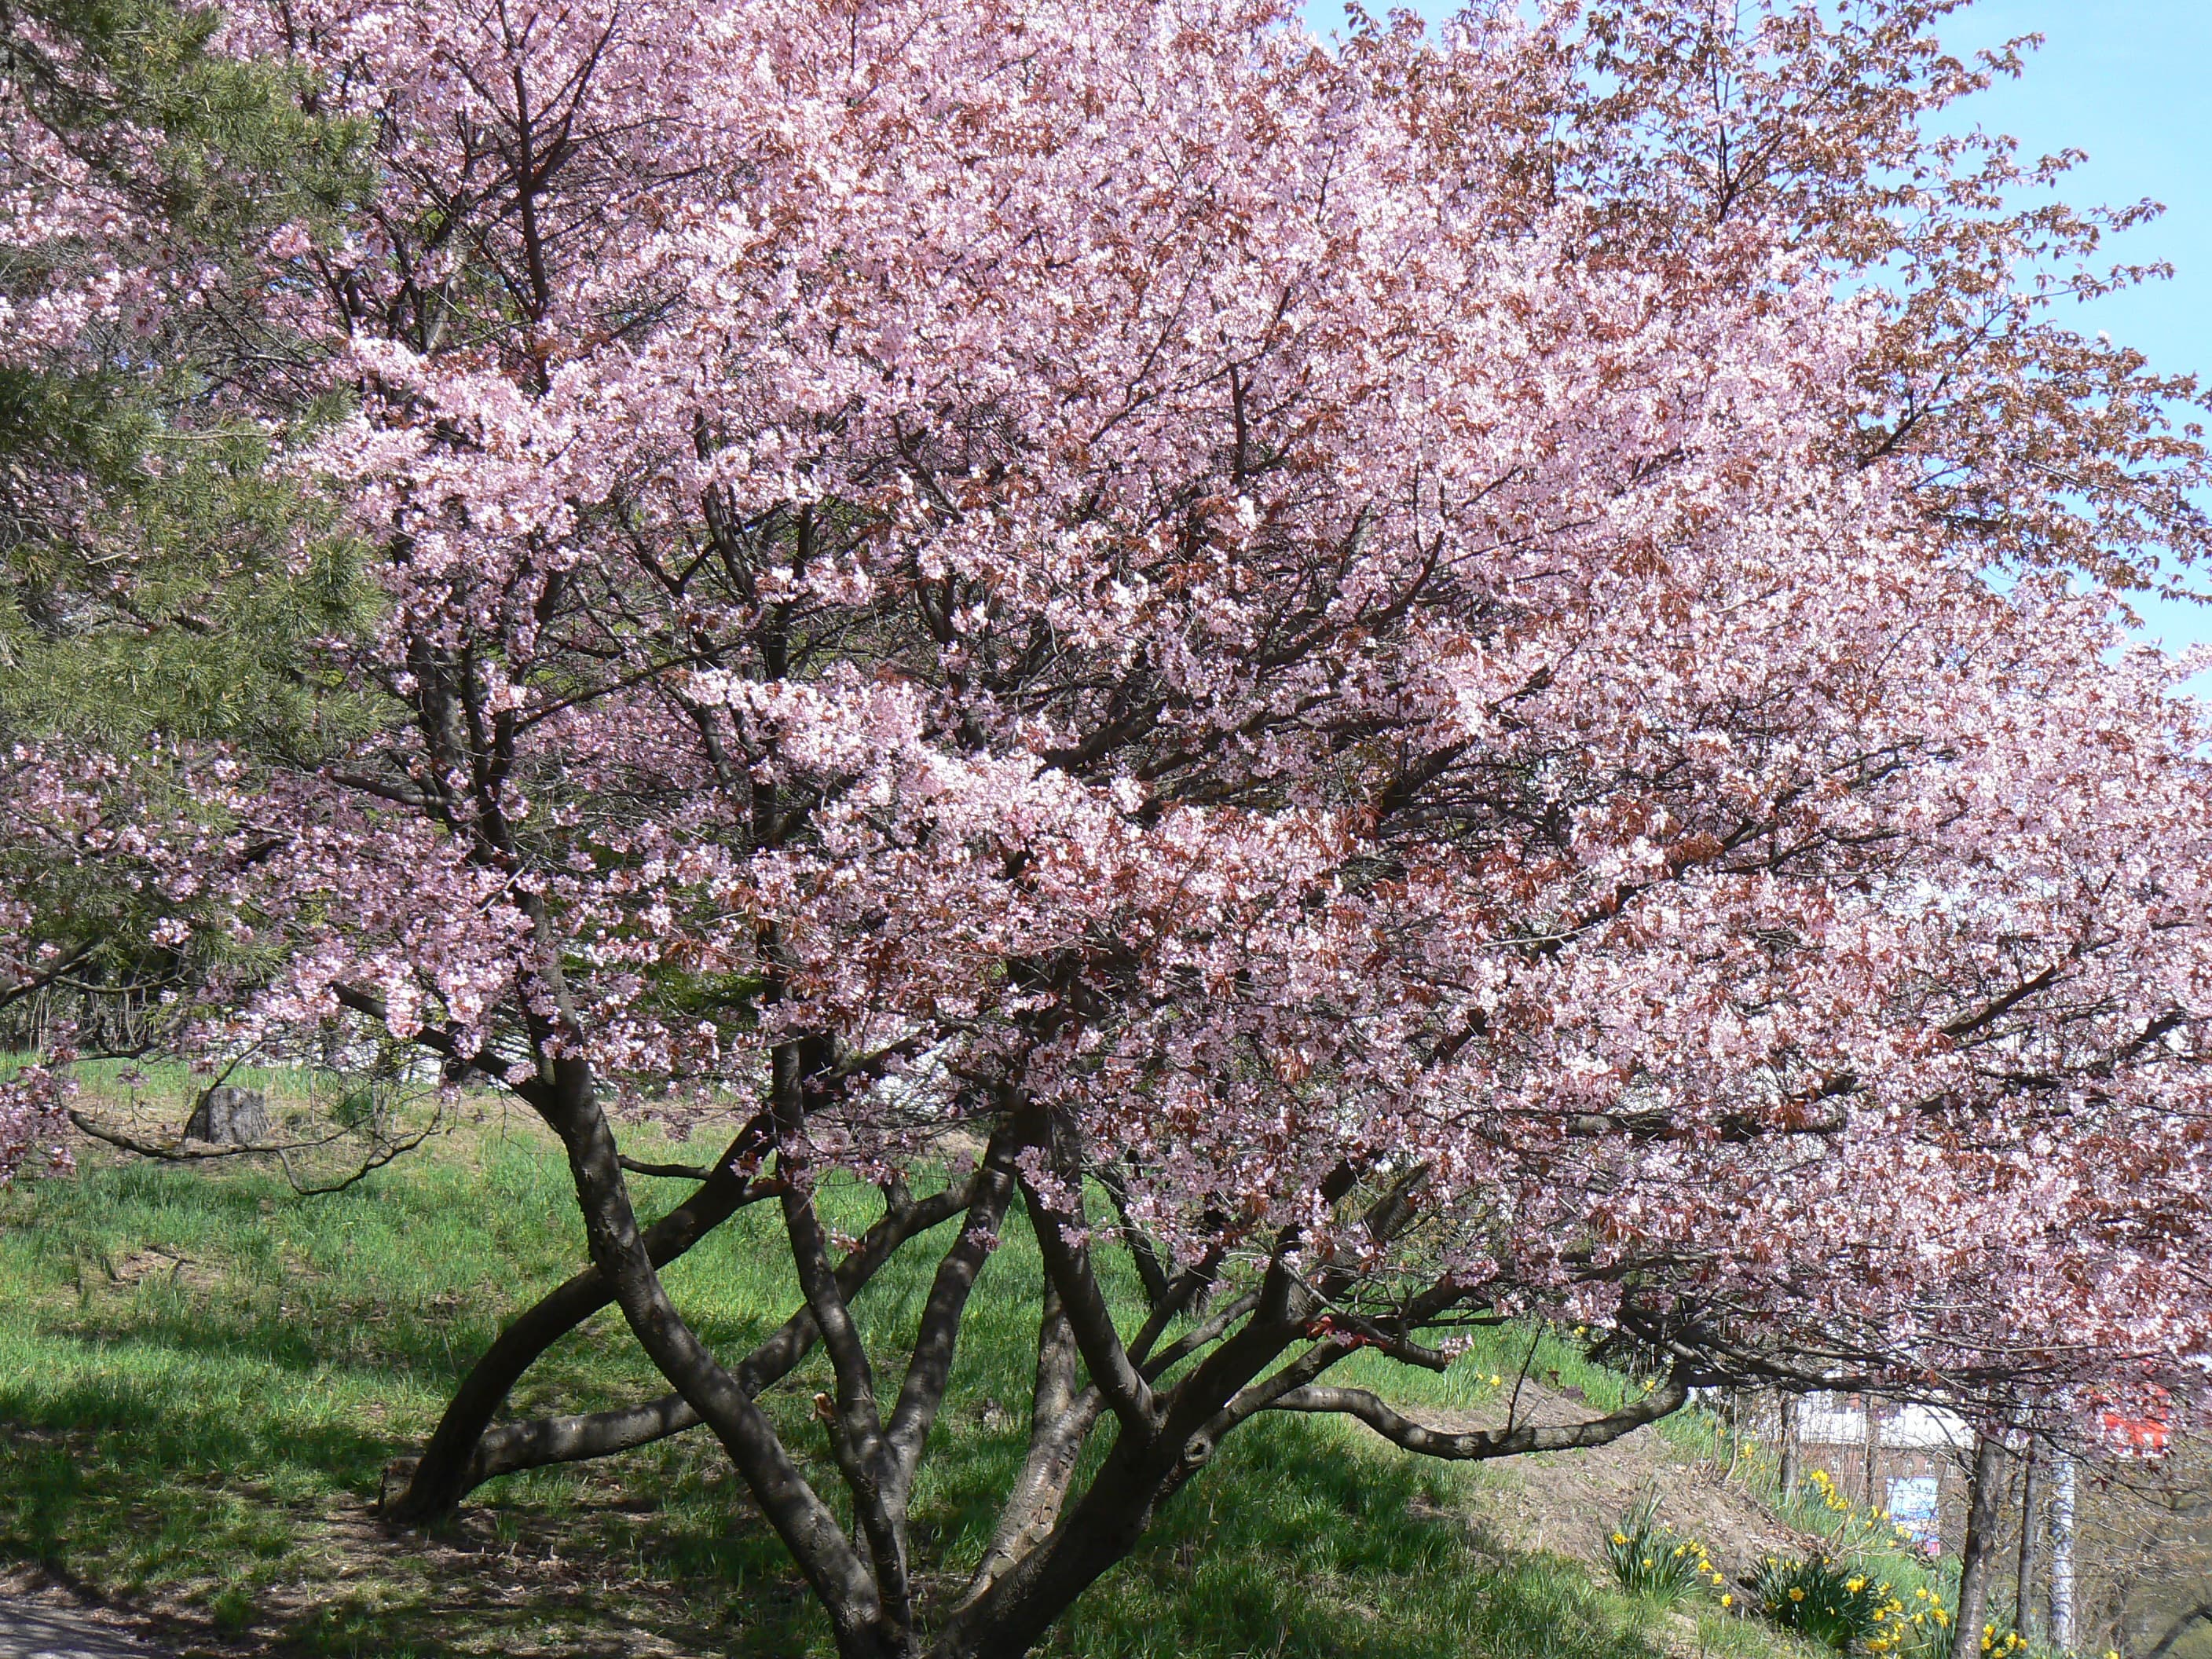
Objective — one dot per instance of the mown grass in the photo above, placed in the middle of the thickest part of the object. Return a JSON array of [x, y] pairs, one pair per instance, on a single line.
[[202, 1377]]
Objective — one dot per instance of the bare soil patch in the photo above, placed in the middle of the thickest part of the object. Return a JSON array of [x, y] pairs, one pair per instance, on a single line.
[[1567, 1502]]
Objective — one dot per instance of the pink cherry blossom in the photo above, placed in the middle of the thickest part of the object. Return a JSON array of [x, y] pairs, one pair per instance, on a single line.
[[1386, 647]]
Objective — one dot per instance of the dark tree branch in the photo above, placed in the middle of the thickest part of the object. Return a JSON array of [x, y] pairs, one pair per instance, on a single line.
[[435, 1039], [1199, 1335], [2179, 1629], [671, 1171], [568, 1099], [515, 1446], [1180, 1294], [444, 1472], [1151, 1271], [1061, 1420], [1966, 1024], [1068, 1267], [864, 1456], [17, 990], [930, 1367], [1473, 1444], [182, 1150]]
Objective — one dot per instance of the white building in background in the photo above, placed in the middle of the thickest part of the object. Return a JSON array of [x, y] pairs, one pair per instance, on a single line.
[[1916, 1455], [1839, 1420]]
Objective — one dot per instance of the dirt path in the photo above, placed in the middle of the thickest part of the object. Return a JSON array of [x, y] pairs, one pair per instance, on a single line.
[[38, 1631]]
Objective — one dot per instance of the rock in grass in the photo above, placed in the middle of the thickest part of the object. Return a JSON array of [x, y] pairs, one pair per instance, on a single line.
[[229, 1117]]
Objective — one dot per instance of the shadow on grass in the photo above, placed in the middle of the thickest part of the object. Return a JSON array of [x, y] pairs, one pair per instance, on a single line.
[[1301, 1543], [1306, 1538], [211, 1440], [173, 1510]]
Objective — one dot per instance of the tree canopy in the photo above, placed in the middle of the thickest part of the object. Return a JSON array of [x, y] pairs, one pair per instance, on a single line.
[[1467, 676]]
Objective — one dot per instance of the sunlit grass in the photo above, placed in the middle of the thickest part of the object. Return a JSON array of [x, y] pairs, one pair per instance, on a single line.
[[202, 1377]]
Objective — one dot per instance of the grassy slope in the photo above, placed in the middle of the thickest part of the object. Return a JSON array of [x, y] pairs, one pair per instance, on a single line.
[[201, 1377]]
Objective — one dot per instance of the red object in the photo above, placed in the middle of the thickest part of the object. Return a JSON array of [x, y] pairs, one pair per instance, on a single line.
[[2138, 1436]]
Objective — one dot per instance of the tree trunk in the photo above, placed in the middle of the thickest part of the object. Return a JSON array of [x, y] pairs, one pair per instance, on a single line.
[[443, 1475], [841, 1579], [1111, 1519], [1789, 1454], [225, 1116], [1979, 1557], [1872, 1445], [2024, 1572], [2062, 1556]]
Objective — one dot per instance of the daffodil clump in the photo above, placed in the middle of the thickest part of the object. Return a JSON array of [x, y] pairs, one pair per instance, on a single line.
[[1922, 1629], [1840, 1606], [1854, 1526], [1649, 1558]]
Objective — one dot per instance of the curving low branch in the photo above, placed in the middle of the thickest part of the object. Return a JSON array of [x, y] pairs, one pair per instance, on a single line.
[[2179, 1629], [445, 1471], [1474, 1444], [488, 1452], [181, 1150]]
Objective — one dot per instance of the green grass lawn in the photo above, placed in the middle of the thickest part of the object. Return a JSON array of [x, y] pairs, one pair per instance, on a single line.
[[203, 1375]]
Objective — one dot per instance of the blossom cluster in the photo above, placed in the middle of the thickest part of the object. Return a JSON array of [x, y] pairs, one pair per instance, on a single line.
[[1094, 554]]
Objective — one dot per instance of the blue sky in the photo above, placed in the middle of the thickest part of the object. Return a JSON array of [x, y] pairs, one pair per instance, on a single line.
[[2125, 80]]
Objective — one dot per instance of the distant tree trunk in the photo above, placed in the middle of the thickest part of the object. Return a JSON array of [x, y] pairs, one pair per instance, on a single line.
[[1983, 1501], [1872, 1411], [2024, 1572], [2062, 1556], [1789, 1454]]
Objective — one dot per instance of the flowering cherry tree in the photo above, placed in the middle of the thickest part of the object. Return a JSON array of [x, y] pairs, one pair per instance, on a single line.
[[1375, 671]]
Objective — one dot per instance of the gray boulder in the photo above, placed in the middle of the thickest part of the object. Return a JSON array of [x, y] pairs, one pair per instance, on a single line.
[[229, 1117]]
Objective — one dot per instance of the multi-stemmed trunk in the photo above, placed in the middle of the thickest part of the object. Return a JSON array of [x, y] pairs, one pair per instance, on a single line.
[[1051, 1544]]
